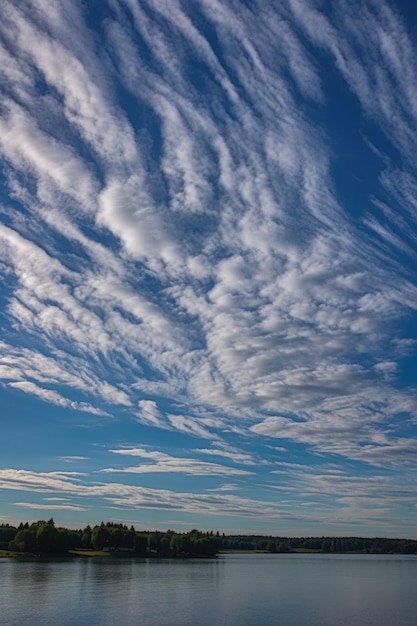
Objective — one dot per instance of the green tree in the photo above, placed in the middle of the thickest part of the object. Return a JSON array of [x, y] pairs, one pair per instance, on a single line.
[[25, 540], [46, 538], [272, 546], [116, 537], [100, 537], [175, 545], [154, 540], [140, 544], [7, 534], [86, 537]]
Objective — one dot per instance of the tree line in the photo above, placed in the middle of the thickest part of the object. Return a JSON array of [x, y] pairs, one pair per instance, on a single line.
[[327, 545], [44, 537]]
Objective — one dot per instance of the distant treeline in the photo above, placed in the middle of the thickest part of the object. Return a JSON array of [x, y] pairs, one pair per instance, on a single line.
[[341, 545], [43, 537]]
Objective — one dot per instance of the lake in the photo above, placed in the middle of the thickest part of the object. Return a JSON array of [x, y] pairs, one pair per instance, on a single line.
[[241, 590]]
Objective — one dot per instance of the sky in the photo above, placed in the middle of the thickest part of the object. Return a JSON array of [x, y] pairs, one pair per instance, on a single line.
[[208, 276]]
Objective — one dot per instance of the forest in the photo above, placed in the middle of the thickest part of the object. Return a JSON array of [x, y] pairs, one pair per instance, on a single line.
[[326, 545], [45, 538]]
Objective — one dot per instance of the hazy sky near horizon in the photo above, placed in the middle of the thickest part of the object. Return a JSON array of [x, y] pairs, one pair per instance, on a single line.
[[208, 262]]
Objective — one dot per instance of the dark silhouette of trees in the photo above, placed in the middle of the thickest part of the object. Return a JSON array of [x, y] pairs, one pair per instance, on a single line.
[[328, 545], [140, 544], [43, 537], [46, 538], [100, 537], [86, 537], [7, 534], [25, 540]]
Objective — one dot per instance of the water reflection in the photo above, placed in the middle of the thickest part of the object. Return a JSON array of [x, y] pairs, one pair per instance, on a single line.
[[244, 590]]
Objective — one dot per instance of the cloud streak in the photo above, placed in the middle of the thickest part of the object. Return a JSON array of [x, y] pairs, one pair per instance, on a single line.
[[161, 462]]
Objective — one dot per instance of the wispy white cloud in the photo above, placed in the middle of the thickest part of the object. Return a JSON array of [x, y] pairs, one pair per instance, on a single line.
[[150, 414], [191, 426], [365, 436], [47, 507], [369, 499], [55, 398], [161, 462], [234, 454], [34, 372], [127, 496]]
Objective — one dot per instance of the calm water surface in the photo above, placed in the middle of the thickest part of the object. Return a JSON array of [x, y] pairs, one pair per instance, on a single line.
[[244, 590]]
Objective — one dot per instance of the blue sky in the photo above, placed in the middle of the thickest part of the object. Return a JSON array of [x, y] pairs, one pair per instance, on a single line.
[[208, 246]]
